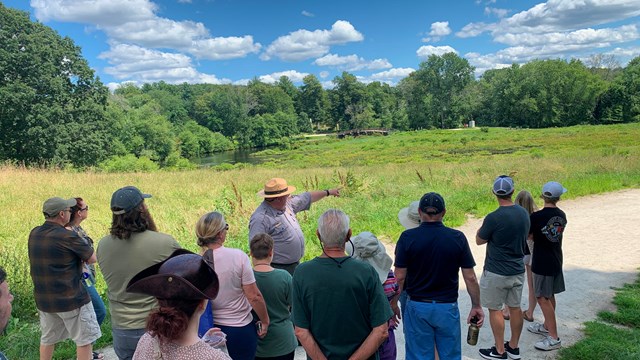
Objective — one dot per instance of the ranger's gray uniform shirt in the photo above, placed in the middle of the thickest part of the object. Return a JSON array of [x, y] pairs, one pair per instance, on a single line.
[[283, 226]]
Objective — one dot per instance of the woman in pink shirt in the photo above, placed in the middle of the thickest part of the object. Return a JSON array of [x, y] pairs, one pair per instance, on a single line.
[[238, 294]]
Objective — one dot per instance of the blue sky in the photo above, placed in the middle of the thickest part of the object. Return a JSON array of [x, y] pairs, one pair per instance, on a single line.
[[226, 41]]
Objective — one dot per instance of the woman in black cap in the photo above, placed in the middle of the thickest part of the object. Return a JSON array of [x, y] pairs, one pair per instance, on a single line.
[[182, 284]]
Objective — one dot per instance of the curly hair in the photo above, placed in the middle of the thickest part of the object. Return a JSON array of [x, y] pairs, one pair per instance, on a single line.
[[135, 221], [170, 320]]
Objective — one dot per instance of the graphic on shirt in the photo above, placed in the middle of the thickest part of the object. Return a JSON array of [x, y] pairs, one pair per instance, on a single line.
[[554, 229]]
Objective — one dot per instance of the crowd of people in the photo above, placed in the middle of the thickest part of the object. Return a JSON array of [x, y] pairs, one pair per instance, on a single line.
[[167, 302]]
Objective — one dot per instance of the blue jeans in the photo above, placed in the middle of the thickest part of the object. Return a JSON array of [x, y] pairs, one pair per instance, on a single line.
[[98, 304], [125, 342], [403, 301], [242, 342], [429, 323]]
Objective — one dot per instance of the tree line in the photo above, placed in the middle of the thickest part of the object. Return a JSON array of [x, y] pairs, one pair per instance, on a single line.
[[55, 111]]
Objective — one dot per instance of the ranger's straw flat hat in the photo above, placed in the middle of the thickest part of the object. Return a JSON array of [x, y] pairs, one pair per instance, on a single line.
[[276, 187]]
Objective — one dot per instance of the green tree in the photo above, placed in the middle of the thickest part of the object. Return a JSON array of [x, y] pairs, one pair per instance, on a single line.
[[444, 78], [313, 102], [629, 81], [52, 108], [224, 109], [268, 99], [347, 93]]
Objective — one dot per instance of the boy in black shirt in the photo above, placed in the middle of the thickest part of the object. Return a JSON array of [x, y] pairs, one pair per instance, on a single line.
[[547, 227]]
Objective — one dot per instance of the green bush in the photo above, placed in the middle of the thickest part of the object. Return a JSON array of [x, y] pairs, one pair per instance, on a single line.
[[128, 163]]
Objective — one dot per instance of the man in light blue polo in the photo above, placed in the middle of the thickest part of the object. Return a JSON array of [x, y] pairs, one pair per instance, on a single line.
[[428, 261], [276, 216]]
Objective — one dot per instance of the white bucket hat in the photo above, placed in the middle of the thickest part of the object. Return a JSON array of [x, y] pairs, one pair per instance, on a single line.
[[409, 217], [369, 249]]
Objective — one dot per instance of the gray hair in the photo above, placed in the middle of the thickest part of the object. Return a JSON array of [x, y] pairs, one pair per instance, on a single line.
[[333, 227]]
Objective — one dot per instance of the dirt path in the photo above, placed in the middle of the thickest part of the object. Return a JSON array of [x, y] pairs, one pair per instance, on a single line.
[[601, 251]]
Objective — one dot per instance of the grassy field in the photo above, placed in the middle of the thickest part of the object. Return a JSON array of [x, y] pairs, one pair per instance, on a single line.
[[614, 335], [380, 175]]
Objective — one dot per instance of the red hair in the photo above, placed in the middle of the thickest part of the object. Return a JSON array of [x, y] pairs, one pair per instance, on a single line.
[[170, 320]]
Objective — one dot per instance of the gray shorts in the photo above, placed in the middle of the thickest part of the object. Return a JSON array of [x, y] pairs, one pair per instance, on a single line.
[[125, 342], [496, 290], [79, 325], [546, 286]]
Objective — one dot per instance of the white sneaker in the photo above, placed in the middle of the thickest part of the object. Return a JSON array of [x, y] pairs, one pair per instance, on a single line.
[[538, 328], [548, 343]]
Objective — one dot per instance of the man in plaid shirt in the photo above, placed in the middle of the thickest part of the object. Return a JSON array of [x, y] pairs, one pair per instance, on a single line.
[[64, 307]]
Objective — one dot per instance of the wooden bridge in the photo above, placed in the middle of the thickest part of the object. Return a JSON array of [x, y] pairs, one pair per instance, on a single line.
[[359, 132]]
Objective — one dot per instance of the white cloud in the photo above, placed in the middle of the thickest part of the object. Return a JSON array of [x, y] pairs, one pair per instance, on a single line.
[[324, 74], [565, 15], [474, 29], [327, 84], [425, 51], [293, 75], [224, 47], [241, 82], [352, 62], [500, 13], [185, 1], [142, 65], [307, 14], [438, 30], [628, 53], [158, 33], [304, 44], [136, 22], [98, 12], [555, 29], [597, 38], [392, 74]]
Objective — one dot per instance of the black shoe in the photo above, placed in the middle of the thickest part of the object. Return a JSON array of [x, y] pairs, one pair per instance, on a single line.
[[492, 353], [512, 353]]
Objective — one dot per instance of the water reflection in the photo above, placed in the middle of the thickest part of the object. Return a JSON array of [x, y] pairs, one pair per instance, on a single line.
[[232, 157]]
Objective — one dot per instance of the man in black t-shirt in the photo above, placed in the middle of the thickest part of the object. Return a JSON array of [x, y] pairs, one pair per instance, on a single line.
[[547, 227]]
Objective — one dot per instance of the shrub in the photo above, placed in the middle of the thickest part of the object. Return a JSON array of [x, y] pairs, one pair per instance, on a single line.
[[128, 163]]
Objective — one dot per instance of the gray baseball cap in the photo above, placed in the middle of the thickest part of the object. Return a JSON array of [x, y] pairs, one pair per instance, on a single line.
[[126, 199], [54, 205], [553, 189], [503, 185]]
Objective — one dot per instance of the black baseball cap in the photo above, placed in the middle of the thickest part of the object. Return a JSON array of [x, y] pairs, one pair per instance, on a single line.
[[432, 203]]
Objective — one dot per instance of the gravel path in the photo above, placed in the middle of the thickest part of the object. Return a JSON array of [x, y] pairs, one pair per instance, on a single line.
[[601, 252]]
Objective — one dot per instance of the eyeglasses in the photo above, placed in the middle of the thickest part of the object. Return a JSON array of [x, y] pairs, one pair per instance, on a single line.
[[84, 208], [226, 226]]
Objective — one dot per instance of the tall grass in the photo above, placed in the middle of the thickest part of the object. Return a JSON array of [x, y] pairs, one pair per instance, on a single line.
[[380, 175]]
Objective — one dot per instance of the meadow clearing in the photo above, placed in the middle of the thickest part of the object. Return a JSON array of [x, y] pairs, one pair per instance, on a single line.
[[380, 175]]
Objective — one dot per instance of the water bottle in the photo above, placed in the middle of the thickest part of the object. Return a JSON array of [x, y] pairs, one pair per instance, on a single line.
[[474, 330], [87, 277]]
